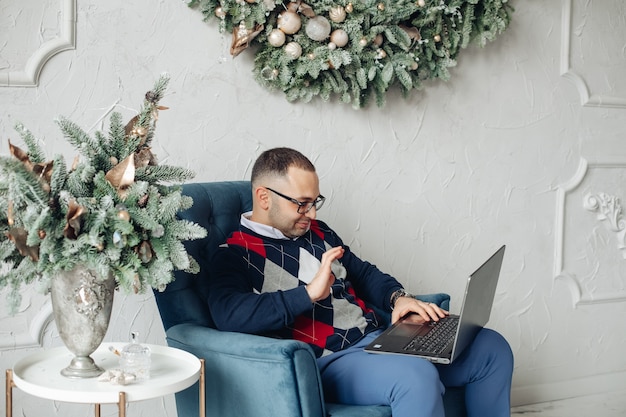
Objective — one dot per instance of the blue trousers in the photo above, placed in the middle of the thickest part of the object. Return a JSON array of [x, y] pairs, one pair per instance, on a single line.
[[414, 387]]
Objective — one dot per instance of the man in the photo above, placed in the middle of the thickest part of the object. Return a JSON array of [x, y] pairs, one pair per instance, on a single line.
[[286, 274]]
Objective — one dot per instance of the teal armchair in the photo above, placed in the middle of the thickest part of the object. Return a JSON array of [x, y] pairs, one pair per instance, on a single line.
[[247, 375]]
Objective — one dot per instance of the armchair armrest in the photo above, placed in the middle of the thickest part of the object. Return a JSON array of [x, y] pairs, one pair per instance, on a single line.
[[250, 375]]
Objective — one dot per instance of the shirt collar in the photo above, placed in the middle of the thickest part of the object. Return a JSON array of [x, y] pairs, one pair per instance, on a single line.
[[260, 228]]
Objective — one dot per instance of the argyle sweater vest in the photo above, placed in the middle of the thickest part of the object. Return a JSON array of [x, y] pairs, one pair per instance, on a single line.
[[273, 265]]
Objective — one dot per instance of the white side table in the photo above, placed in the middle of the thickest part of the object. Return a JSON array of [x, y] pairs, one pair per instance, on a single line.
[[172, 370]]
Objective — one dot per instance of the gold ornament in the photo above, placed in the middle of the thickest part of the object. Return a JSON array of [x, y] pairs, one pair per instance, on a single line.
[[421, 3], [381, 6], [311, 56], [378, 39], [276, 38], [349, 8], [339, 37], [414, 66], [337, 14], [289, 22], [242, 38], [363, 42], [381, 54], [219, 12], [123, 214], [437, 38], [293, 50]]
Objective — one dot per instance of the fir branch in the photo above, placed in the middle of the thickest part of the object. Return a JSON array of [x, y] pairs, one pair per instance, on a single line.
[[163, 173], [59, 175], [24, 187], [78, 138], [35, 153]]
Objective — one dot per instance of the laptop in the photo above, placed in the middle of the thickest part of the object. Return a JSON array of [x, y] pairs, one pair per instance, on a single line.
[[406, 337]]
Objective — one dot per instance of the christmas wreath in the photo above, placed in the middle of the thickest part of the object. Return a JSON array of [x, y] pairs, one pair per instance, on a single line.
[[354, 48]]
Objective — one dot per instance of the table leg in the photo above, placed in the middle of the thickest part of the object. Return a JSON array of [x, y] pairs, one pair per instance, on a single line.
[[97, 407], [202, 389], [122, 405], [9, 392]]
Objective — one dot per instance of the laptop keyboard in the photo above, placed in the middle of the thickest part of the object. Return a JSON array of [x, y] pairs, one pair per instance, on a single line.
[[437, 339]]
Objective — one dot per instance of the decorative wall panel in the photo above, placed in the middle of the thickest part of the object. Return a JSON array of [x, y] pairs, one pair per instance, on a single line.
[[30, 336], [592, 57], [32, 32], [590, 248]]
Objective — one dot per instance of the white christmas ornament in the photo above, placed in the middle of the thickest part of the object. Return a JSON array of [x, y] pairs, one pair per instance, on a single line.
[[276, 38], [339, 37], [318, 28], [293, 50], [289, 22]]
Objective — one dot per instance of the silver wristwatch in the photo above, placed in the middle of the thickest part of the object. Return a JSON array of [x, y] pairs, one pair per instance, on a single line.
[[397, 294]]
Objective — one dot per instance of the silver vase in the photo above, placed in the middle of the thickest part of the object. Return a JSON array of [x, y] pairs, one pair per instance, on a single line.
[[82, 303]]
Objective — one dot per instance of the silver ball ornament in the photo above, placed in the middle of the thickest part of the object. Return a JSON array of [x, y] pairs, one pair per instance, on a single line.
[[318, 28]]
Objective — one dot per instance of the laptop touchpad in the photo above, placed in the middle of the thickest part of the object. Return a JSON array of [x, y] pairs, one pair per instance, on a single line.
[[405, 330]]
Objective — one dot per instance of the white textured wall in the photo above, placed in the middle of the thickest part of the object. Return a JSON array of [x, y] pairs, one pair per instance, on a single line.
[[508, 151]]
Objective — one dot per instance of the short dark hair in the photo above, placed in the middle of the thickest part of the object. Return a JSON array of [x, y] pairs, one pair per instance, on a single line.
[[276, 162]]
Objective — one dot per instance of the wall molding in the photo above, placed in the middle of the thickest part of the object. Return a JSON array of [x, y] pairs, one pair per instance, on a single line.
[[34, 336], [579, 295], [587, 98], [29, 76], [608, 209]]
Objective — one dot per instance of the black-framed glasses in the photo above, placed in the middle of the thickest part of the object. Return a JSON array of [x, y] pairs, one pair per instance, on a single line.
[[303, 206]]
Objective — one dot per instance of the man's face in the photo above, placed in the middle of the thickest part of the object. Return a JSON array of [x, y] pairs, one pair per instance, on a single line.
[[283, 214]]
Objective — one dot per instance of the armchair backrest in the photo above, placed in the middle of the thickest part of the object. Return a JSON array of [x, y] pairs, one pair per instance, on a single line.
[[217, 206]]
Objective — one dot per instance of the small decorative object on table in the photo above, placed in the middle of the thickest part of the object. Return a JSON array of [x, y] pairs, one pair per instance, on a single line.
[[107, 222], [135, 359]]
